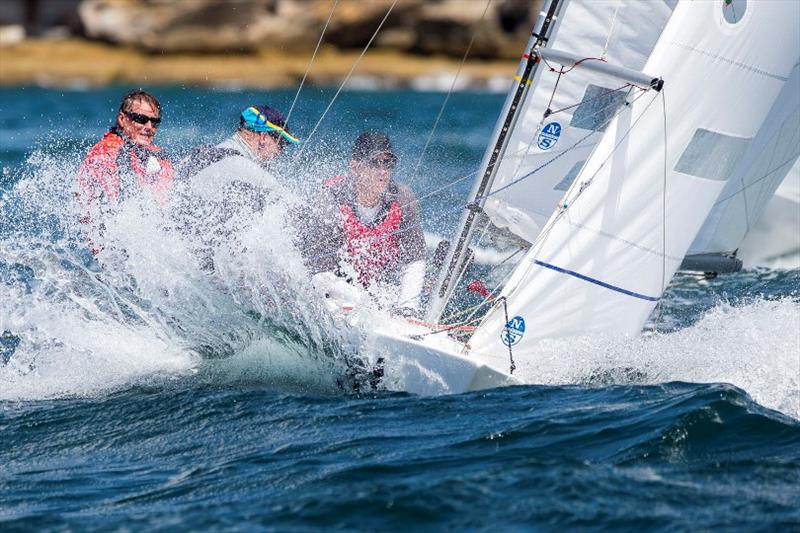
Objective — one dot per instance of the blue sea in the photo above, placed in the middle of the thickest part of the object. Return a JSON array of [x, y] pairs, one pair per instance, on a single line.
[[148, 398]]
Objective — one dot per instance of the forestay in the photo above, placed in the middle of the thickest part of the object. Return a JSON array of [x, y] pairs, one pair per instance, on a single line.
[[621, 32], [602, 262]]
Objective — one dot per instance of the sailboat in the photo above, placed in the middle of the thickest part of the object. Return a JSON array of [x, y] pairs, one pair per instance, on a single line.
[[630, 134]]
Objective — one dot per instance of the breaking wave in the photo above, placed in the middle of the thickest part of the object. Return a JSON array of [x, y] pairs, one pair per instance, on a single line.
[[147, 308], [753, 346]]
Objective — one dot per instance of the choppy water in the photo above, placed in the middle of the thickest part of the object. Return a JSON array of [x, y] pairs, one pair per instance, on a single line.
[[110, 419]]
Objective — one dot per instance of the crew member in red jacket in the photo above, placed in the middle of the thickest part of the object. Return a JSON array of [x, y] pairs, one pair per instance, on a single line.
[[123, 162], [368, 225]]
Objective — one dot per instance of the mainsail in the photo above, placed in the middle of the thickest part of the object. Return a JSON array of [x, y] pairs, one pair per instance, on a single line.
[[604, 257]]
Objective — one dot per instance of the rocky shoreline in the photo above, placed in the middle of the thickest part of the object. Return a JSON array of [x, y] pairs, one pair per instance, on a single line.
[[79, 63]]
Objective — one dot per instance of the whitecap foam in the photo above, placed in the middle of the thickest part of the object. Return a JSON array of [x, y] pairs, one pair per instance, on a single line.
[[147, 310], [755, 347]]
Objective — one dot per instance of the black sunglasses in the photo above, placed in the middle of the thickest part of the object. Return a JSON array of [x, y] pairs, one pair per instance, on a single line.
[[383, 162], [142, 119]]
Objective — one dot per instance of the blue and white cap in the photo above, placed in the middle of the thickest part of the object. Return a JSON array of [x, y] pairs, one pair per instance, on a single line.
[[265, 119]]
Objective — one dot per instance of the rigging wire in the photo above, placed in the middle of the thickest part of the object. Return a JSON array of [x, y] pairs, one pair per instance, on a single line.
[[601, 95], [537, 169], [494, 291], [663, 217], [458, 208], [758, 180], [447, 98], [611, 30], [549, 113], [526, 150], [311, 62], [344, 82], [545, 233]]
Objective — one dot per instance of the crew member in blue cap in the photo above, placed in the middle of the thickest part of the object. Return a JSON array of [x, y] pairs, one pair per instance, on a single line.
[[224, 187], [261, 136]]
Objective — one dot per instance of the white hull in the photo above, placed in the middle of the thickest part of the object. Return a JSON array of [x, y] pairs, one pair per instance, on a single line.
[[430, 364]]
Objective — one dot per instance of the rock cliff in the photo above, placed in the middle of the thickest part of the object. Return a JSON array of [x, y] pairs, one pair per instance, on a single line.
[[424, 27]]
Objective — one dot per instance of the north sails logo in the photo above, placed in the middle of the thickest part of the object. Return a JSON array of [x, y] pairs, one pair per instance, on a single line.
[[549, 135], [513, 332]]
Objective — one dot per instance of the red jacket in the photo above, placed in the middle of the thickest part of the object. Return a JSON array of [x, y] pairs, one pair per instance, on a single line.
[[377, 251], [371, 248], [109, 170]]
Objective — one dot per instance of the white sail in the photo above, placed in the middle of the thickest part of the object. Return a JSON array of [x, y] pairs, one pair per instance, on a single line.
[[761, 170], [774, 241], [601, 263], [619, 31]]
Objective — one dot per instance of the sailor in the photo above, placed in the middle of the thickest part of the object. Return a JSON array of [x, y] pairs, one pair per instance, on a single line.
[[223, 186], [124, 162], [369, 228]]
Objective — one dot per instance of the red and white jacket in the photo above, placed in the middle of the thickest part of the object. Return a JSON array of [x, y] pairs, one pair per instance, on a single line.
[[378, 250], [111, 170]]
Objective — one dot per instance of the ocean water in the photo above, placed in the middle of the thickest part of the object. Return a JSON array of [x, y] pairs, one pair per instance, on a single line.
[[141, 395]]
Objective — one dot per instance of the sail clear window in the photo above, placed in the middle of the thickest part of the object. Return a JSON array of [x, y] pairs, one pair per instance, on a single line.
[[733, 10], [711, 155], [597, 107], [564, 184]]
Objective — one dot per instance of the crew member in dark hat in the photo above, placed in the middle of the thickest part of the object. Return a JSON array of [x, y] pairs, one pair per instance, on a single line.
[[369, 227]]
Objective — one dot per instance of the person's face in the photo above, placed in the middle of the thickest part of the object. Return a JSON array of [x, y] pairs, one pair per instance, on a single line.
[[266, 146], [372, 178], [130, 122]]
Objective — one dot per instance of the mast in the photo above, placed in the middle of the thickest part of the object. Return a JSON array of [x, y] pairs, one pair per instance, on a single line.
[[454, 260]]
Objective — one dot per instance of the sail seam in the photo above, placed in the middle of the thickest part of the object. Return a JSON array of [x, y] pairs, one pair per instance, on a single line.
[[622, 240], [718, 57], [596, 281]]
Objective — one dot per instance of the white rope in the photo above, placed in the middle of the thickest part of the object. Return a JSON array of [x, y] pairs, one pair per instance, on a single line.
[[447, 98], [344, 82], [310, 62]]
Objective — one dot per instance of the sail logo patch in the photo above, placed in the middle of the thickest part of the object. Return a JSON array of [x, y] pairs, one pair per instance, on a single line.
[[513, 332], [549, 135]]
